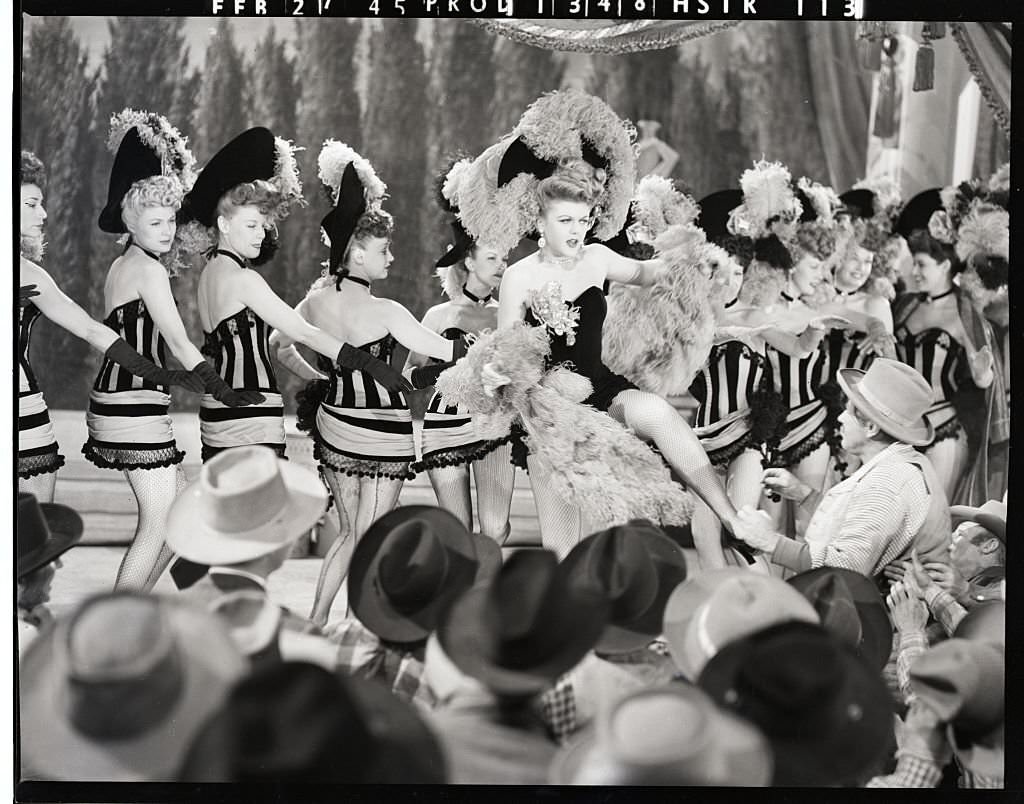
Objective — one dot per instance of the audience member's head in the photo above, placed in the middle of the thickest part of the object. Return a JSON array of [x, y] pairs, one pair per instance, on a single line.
[[979, 537], [410, 565], [851, 607], [117, 691], [521, 630], [294, 722], [45, 532], [716, 607], [636, 567], [246, 508], [825, 711], [667, 735], [885, 404]]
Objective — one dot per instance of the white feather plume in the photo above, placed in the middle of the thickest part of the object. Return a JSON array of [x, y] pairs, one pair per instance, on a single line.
[[334, 157]]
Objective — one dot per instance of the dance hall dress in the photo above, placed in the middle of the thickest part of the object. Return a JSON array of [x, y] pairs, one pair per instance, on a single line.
[[723, 388], [583, 356], [362, 428], [799, 380], [129, 426], [38, 453], [942, 361], [448, 435], [240, 348]]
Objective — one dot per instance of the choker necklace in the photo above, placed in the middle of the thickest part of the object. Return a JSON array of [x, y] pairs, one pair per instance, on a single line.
[[241, 263], [358, 280], [787, 297], [481, 300], [561, 261], [927, 297], [145, 251]]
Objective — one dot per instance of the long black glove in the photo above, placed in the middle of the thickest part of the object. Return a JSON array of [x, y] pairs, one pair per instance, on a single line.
[[357, 360], [221, 391], [123, 354], [425, 376], [26, 293]]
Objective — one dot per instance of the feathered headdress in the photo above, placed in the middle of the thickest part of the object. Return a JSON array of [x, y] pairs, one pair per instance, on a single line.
[[353, 187], [768, 201], [823, 200]]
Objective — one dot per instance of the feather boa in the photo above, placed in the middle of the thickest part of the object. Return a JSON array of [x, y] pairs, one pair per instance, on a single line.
[[161, 137], [659, 337], [286, 171], [592, 461], [334, 157], [767, 197]]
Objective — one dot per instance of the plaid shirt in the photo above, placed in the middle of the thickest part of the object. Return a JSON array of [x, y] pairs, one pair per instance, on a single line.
[[911, 645], [914, 771], [944, 608], [362, 654]]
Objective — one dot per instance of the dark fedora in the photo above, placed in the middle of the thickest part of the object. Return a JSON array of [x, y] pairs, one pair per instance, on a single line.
[[461, 245], [826, 712], [636, 567], [859, 203], [248, 157], [410, 565], [45, 531], [714, 212], [520, 631], [295, 722], [918, 211], [851, 607], [133, 162]]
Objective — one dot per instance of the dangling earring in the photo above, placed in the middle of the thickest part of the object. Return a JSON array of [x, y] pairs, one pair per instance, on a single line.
[[541, 242]]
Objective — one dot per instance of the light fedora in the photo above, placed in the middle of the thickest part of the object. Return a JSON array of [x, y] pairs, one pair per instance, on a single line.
[[246, 503], [716, 607], [991, 516], [894, 396], [117, 692], [668, 735]]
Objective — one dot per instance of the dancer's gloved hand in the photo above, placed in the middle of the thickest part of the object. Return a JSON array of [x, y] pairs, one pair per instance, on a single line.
[[221, 391], [26, 293], [357, 360], [425, 376], [121, 353]]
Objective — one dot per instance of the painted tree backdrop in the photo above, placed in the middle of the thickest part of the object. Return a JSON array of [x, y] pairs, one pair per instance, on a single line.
[[406, 93]]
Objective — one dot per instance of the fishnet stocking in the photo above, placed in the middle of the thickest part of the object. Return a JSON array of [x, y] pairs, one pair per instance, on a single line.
[[148, 555], [451, 485], [561, 524], [495, 477], [42, 486], [360, 502], [654, 419]]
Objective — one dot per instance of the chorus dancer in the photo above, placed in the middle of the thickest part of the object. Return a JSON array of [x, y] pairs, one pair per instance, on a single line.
[[362, 428], [39, 457], [249, 185], [469, 272], [940, 334], [560, 286], [129, 425]]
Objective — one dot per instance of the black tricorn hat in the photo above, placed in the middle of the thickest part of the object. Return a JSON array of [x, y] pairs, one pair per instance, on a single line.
[[248, 157], [807, 211], [462, 242], [859, 203], [340, 222], [714, 212], [918, 211], [133, 162]]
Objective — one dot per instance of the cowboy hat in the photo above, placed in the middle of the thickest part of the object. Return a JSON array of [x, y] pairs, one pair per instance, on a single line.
[[716, 607], [245, 503], [116, 692], [851, 607], [991, 516], [45, 531], [521, 630], [894, 396], [826, 712], [636, 567], [668, 735], [409, 565], [297, 722]]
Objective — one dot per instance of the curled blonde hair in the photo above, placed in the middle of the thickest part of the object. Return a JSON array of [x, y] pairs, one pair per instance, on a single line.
[[155, 191], [573, 180]]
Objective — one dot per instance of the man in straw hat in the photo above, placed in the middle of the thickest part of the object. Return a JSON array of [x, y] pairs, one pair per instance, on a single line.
[[45, 532], [405, 571], [240, 518], [117, 691], [894, 503]]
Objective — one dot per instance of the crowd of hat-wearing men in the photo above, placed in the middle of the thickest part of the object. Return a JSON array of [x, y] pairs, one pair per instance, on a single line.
[[613, 666]]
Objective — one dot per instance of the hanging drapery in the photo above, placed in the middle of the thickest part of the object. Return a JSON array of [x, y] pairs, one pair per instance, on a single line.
[[604, 36], [986, 48]]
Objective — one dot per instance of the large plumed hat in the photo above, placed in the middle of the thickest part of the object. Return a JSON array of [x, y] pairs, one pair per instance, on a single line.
[[353, 187]]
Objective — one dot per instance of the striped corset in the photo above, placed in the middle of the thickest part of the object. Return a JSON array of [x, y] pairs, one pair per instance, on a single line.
[[798, 380], [240, 348], [436, 405], [132, 322], [357, 389], [845, 352], [725, 383], [939, 357], [27, 318]]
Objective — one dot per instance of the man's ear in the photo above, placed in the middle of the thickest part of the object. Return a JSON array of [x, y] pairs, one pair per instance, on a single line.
[[990, 545]]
